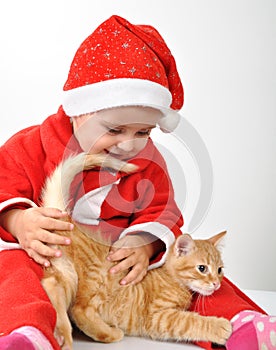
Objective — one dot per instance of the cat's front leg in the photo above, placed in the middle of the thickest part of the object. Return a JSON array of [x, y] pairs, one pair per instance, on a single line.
[[181, 325], [219, 329]]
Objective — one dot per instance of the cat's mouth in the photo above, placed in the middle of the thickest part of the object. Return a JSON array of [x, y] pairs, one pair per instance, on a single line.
[[203, 291]]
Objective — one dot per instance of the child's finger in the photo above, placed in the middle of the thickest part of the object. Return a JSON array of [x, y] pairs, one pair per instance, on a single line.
[[135, 275], [53, 238], [44, 250], [53, 212], [52, 224], [119, 254], [124, 264], [38, 258]]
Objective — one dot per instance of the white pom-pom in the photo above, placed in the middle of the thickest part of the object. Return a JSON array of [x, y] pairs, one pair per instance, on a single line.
[[170, 121]]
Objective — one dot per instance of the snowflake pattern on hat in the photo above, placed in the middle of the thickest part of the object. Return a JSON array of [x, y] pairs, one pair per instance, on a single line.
[[118, 50]]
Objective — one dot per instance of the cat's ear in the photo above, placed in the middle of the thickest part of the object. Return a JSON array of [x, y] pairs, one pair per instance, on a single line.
[[184, 244], [217, 239]]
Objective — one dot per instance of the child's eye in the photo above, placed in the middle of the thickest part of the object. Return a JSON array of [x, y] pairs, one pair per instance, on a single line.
[[114, 131], [143, 133]]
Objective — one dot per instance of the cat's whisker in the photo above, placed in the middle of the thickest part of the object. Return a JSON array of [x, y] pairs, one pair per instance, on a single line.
[[198, 300], [203, 302]]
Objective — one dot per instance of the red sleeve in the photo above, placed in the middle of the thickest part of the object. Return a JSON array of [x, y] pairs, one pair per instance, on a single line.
[[18, 167], [13, 178]]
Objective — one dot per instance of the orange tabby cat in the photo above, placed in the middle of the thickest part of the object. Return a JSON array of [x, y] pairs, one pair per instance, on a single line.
[[79, 283]]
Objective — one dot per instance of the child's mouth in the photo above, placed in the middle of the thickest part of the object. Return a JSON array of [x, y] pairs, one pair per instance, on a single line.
[[124, 156]]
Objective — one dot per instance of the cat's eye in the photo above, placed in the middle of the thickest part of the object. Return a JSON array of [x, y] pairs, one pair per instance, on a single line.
[[202, 268], [220, 270]]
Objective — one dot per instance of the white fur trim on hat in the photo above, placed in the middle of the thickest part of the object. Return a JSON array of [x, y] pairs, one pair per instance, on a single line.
[[115, 93], [120, 92]]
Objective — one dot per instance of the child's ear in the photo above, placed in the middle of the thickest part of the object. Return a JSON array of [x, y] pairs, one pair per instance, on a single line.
[[184, 244], [217, 240]]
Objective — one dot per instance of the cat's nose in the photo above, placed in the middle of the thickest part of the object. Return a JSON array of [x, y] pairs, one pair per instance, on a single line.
[[216, 285]]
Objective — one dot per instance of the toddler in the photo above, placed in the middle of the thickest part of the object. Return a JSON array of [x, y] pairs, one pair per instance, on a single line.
[[123, 82]]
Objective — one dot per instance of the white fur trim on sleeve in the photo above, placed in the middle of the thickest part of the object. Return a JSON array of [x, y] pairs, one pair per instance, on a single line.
[[8, 245], [16, 200], [158, 230]]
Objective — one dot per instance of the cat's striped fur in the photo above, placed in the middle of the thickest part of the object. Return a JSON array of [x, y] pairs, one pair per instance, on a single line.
[[79, 284]]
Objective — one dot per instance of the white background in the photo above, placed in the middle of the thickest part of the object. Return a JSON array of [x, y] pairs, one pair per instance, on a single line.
[[225, 52]]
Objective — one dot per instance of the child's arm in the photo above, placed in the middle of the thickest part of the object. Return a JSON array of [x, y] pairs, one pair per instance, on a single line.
[[134, 252], [32, 228]]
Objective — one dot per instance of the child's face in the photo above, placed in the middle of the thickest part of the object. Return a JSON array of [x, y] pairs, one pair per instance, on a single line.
[[121, 132]]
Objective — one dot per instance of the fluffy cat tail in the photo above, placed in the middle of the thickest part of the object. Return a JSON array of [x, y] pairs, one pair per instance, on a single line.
[[57, 187]]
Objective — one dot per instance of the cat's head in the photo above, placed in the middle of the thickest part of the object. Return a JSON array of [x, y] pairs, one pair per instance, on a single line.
[[197, 264]]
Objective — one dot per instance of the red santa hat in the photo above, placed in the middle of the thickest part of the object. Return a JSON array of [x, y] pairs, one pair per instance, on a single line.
[[121, 64]]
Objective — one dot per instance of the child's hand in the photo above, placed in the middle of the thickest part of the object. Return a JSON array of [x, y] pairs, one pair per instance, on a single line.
[[32, 227], [133, 252]]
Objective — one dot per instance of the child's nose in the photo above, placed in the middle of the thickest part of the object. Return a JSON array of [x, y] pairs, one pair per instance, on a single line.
[[126, 145]]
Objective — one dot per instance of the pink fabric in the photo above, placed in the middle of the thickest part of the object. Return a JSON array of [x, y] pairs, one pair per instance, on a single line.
[[16, 341], [39, 341], [252, 330], [244, 338]]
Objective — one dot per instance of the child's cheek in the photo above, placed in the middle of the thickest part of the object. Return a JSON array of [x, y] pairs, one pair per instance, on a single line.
[[140, 143], [91, 139]]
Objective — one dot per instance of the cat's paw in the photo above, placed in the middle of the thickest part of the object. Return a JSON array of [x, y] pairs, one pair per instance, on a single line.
[[59, 337], [222, 330], [64, 345], [114, 334]]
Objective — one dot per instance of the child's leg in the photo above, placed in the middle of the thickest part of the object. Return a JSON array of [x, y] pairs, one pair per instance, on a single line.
[[252, 330], [15, 342], [25, 338], [227, 302], [23, 301]]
